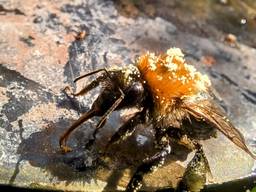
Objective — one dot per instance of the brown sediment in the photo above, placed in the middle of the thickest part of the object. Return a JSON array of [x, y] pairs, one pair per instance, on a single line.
[[48, 47], [208, 60]]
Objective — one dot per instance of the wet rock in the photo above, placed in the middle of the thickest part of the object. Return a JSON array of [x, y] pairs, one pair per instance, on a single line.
[[39, 59]]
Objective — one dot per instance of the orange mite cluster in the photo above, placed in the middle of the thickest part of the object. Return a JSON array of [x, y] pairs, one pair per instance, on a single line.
[[170, 77]]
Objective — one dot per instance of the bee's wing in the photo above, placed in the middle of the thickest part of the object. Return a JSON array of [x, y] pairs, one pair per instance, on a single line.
[[208, 111]]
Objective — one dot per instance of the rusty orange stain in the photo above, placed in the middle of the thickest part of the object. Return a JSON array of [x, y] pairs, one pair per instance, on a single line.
[[208, 60]]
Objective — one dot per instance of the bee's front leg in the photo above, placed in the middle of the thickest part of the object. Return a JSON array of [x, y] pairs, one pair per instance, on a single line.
[[196, 172], [93, 84]]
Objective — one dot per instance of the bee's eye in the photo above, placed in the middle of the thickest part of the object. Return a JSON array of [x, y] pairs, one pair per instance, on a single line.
[[135, 92], [136, 89]]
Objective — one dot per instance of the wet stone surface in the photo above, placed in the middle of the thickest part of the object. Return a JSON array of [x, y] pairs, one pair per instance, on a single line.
[[39, 56]]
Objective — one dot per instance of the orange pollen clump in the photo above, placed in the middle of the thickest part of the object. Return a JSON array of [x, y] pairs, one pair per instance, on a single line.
[[169, 77]]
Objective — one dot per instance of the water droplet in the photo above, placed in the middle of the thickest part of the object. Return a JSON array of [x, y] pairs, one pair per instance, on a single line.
[[243, 21]]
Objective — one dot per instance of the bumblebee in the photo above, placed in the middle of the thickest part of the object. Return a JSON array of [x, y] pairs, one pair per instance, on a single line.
[[172, 96]]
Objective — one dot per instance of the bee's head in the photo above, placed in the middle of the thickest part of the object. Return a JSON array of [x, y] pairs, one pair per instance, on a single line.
[[129, 81]]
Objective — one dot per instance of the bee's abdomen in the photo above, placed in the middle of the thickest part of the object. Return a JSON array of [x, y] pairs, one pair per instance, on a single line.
[[198, 129]]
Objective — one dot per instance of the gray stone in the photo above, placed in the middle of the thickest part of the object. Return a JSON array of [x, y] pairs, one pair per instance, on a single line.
[[34, 112]]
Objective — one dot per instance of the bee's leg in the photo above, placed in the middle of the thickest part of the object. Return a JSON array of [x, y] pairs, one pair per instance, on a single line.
[[196, 172], [115, 104], [103, 120], [100, 107], [87, 88], [149, 165], [127, 129], [90, 73], [93, 84], [64, 137], [109, 111]]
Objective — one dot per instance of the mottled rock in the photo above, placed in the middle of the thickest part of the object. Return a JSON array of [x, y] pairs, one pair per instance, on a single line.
[[39, 55]]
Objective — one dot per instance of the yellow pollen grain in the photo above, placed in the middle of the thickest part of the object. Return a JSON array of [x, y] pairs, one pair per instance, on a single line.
[[169, 76]]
